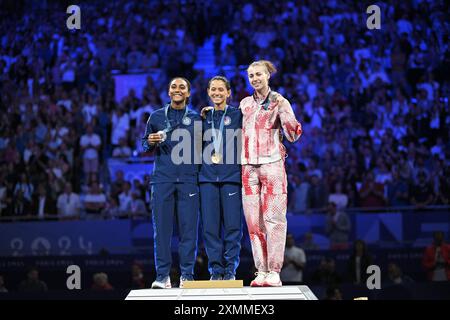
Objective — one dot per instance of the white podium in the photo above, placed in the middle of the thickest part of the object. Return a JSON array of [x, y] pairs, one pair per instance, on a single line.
[[245, 293]]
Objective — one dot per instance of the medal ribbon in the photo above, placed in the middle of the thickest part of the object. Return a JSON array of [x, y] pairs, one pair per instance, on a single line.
[[217, 137], [266, 102], [168, 125]]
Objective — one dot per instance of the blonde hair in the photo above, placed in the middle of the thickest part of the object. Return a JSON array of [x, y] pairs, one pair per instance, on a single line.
[[271, 69]]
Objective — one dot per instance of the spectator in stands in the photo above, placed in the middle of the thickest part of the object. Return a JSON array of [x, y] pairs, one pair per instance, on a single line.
[[2, 285], [318, 193], [90, 144], [383, 175], [398, 191], [326, 273], [117, 183], [420, 168], [238, 87], [421, 193], [95, 200], [313, 170], [338, 196], [359, 260], [90, 109], [125, 198], [101, 282], [294, 262], [137, 206], [396, 276], [68, 203], [122, 150], [308, 242], [68, 71], [20, 205], [366, 160], [371, 193], [112, 209], [300, 194], [43, 204], [134, 59], [444, 188], [11, 154], [147, 93], [352, 194], [120, 126], [55, 182], [337, 227], [33, 283], [439, 148], [139, 188], [62, 168], [24, 187], [404, 167], [436, 259], [137, 277]]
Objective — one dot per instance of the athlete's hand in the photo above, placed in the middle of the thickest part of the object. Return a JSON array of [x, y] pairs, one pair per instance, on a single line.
[[154, 138], [204, 111], [277, 98]]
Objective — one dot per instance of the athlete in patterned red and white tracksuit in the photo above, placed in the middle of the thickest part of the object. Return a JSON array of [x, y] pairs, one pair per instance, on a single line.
[[264, 182]]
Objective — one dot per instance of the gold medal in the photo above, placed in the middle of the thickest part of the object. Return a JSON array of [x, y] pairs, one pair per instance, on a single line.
[[216, 158]]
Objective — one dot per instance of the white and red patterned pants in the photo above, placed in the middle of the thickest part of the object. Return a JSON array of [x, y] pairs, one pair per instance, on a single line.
[[264, 197]]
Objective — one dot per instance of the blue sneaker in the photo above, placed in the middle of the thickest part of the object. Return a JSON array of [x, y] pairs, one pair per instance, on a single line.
[[186, 277], [215, 277], [229, 276]]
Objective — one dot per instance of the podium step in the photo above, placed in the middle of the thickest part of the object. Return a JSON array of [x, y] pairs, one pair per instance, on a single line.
[[204, 284], [244, 293]]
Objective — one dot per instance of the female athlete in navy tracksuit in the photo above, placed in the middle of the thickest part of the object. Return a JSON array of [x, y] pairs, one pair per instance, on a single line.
[[174, 186], [220, 183]]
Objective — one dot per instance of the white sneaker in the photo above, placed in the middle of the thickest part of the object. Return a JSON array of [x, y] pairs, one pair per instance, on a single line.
[[272, 280], [259, 280], [185, 278], [162, 283]]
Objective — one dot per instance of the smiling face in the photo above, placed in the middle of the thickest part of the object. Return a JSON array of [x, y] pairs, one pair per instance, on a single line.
[[218, 92], [179, 91], [258, 76]]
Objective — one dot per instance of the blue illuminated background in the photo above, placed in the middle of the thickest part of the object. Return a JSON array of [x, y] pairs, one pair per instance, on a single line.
[[373, 104]]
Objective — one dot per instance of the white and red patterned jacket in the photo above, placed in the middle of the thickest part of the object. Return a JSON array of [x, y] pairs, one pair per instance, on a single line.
[[261, 135]]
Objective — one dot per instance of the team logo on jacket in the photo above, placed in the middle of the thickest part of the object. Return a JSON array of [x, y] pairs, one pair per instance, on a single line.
[[227, 121], [186, 121]]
